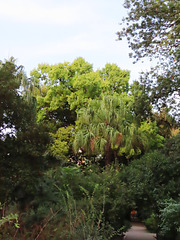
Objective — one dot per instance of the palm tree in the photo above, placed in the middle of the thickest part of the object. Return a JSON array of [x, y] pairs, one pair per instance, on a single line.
[[103, 127], [109, 127]]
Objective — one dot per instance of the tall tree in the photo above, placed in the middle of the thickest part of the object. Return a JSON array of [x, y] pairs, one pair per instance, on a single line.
[[66, 88], [22, 142], [108, 127], [56, 86], [152, 29], [13, 108]]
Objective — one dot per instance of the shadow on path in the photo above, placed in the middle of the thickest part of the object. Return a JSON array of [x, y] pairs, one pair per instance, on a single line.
[[138, 232]]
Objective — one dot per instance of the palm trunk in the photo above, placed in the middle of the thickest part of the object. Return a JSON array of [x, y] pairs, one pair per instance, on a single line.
[[108, 154]]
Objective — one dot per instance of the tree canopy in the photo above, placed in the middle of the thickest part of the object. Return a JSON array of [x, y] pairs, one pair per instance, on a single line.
[[152, 29], [58, 129], [22, 141], [108, 127], [13, 108]]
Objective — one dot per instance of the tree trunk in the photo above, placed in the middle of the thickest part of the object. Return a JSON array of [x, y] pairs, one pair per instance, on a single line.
[[108, 154]]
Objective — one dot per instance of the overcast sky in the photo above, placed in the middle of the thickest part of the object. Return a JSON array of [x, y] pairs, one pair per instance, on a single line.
[[55, 31]]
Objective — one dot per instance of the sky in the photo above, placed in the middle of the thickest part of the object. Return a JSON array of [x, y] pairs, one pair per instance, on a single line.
[[58, 31]]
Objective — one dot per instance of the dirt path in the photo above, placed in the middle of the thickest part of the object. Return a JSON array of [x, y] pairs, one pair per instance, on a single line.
[[138, 232]]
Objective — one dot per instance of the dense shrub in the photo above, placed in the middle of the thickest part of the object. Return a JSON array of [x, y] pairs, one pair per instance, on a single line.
[[89, 202], [75, 203], [170, 219], [153, 180]]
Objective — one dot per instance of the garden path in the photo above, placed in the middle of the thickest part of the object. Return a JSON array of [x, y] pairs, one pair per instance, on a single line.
[[138, 232]]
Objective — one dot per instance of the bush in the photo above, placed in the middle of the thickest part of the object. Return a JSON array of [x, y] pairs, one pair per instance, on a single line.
[[170, 219], [75, 203], [152, 223], [150, 181]]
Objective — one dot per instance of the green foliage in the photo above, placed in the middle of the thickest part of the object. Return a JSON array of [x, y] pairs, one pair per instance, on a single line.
[[152, 223], [153, 177], [141, 103], [14, 110], [102, 197], [22, 142], [112, 124], [152, 30], [22, 162], [172, 149], [9, 218], [147, 21], [86, 222], [56, 82], [165, 123], [9, 222], [114, 79], [77, 204], [85, 87], [100, 125], [151, 129], [65, 88], [152, 180], [170, 218], [108, 186], [107, 127], [62, 142]]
